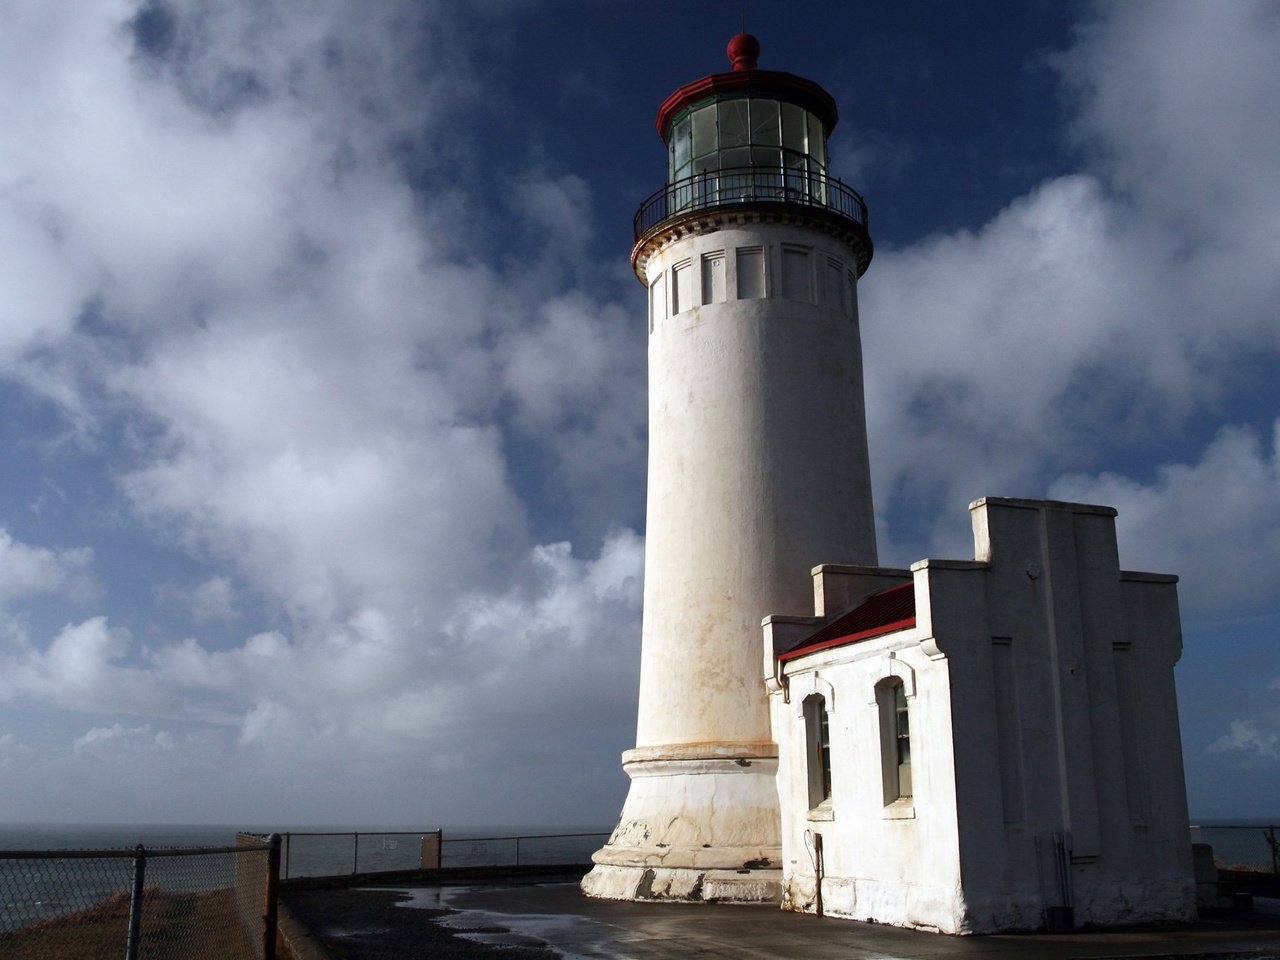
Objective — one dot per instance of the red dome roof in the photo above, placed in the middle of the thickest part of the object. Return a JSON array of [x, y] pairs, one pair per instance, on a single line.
[[745, 80]]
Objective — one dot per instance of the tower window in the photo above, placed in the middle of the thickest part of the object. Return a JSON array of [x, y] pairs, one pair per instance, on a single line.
[[895, 739], [681, 287], [796, 283], [817, 728], [713, 290], [750, 264]]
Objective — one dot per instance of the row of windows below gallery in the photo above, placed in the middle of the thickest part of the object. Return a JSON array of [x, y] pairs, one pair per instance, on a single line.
[[753, 273]]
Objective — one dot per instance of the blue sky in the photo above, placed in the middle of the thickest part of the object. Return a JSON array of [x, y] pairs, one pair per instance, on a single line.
[[323, 371]]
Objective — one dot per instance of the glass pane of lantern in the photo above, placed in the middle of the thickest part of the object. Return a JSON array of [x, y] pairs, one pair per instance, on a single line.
[[680, 145], [817, 146], [766, 157], [704, 130], [765, 127], [733, 123], [767, 172], [795, 128]]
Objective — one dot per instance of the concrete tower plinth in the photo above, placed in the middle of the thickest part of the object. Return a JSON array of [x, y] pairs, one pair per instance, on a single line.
[[701, 823], [757, 464]]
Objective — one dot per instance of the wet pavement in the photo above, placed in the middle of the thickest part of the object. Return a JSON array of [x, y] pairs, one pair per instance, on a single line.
[[559, 917]]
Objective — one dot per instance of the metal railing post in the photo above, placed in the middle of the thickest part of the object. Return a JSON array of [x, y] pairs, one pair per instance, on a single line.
[[517, 851], [135, 903], [270, 896], [355, 858], [288, 846]]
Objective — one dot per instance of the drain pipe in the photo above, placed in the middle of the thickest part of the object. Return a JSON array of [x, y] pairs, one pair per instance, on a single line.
[[818, 869], [813, 843]]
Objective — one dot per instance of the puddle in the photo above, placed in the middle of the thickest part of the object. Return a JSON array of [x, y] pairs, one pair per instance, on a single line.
[[571, 936], [344, 932]]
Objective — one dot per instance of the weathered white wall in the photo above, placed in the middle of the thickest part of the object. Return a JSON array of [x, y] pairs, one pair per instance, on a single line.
[[894, 864], [757, 464], [1088, 760], [1045, 709]]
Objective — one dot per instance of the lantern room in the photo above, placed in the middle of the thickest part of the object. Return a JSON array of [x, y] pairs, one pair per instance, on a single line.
[[748, 137], [746, 118]]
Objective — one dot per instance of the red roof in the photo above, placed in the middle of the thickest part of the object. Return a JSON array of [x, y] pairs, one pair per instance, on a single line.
[[883, 612], [746, 80]]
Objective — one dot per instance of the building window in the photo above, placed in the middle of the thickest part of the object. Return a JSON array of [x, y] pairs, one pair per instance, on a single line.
[[895, 739], [817, 729], [834, 294], [657, 300], [795, 274], [750, 267], [713, 290], [681, 287]]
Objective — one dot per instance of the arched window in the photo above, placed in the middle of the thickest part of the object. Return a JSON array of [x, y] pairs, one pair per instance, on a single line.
[[895, 739], [817, 749]]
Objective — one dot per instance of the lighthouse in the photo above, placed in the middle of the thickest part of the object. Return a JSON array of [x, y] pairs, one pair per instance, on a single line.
[[758, 468]]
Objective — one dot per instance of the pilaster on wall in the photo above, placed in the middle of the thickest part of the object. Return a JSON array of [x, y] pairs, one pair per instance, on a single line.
[[1077, 656]]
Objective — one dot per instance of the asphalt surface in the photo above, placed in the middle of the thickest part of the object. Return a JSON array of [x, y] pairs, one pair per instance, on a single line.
[[544, 920], [372, 925]]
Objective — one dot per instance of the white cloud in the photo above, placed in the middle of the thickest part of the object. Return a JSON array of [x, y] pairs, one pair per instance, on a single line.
[[12, 751], [1245, 736], [213, 599], [1105, 309], [106, 742], [1216, 522], [81, 669], [1177, 103], [26, 571]]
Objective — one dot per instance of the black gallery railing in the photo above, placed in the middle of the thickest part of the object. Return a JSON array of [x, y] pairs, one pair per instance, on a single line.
[[750, 185]]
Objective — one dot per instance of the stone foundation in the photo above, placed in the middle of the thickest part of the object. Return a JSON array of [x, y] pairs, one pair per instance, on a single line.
[[700, 824]]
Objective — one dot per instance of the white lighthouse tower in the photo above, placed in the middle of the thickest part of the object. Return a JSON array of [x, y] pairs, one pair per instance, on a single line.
[[757, 464]]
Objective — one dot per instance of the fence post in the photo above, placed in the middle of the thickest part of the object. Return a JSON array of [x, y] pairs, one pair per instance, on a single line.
[[355, 857], [517, 851], [288, 845], [270, 895], [135, 903]]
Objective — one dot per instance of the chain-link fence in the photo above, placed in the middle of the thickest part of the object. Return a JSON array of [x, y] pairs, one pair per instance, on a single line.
[[195, 903], [540, 849], [1241, 846], [345, 852]]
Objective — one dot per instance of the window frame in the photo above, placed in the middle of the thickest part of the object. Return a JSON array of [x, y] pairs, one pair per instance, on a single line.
[[894, 711], [817, 738]]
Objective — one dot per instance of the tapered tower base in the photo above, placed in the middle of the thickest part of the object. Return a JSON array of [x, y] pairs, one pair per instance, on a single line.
[[700, 824]]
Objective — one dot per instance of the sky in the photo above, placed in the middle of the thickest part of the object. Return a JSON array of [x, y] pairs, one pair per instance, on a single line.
[[322, 369]]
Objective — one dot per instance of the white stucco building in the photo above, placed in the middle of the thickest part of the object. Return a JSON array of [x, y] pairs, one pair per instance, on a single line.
[[988, 744], [965, 746]]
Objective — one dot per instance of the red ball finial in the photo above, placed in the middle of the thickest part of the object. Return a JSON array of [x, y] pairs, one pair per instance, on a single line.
[[743, 51]]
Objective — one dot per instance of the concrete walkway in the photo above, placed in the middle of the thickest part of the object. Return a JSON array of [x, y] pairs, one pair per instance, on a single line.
[[557, 915]]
